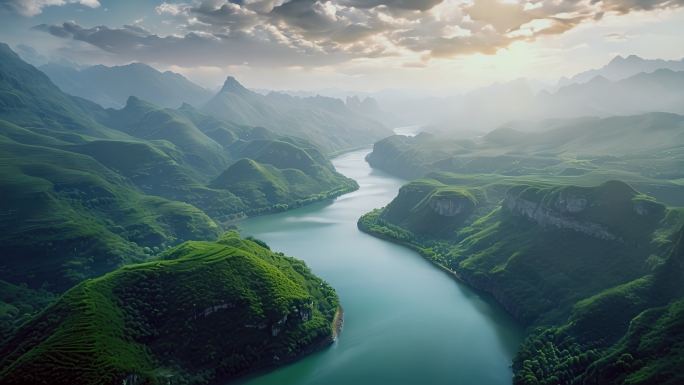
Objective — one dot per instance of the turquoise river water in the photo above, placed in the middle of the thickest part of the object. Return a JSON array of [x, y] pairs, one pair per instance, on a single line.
[[406, 321]]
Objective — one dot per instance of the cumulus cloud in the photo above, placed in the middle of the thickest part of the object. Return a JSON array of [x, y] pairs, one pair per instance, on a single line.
[[34, 7], [309, 33]]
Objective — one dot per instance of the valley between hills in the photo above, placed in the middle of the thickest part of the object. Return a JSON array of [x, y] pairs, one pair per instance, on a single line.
[[123, 260]]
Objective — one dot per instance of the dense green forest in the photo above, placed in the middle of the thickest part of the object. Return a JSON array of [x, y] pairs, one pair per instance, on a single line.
[[87, 190], [591, 265], [200, 312]]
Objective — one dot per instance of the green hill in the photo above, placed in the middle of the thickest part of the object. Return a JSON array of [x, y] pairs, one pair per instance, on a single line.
[[201, 155], [204, 311], [156, 173], [575, 264], [28, 99], [64, 217], [163, 152], [86, 190], [264, 188]]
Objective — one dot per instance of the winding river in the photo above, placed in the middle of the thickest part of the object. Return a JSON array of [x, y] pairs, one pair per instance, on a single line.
[[406, 321]]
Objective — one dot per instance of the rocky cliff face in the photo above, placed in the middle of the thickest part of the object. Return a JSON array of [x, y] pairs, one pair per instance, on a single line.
[[486, 283], [275, 329], [548, 218], [571, 203], [447, 207]]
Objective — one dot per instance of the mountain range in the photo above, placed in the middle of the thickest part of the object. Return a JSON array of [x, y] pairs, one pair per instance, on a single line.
[[110, 87], [623, 67], [322, 120], [86, 190]]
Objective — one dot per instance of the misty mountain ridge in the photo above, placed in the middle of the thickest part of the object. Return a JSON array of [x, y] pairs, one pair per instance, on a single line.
[[323, 120], [419, 108], [621, 68], [111, 86]]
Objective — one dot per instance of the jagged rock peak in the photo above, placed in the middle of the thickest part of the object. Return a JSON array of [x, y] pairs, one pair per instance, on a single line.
[[233, 86], [353, 101]]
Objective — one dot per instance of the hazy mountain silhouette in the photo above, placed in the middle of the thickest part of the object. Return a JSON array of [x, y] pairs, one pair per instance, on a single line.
[[112, 86], [325, 121], [621, 68]]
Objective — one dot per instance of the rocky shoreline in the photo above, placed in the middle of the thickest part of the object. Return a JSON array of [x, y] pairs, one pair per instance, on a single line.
[[321, 343]]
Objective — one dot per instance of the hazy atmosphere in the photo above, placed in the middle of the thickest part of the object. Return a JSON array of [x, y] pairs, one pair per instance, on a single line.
[[438, 47], [368, 192]]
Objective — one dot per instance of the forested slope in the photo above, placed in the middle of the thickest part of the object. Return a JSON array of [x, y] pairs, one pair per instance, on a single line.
[[203, 312], [573, 225]]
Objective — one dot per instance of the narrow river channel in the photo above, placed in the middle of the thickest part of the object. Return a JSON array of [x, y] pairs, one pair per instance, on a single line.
[[406, 321]]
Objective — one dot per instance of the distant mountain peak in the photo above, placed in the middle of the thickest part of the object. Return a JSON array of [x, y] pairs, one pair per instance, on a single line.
[[616, 59], [599, 79], [233, 86], [132, 100], [186, 106], [353, 102], [137, 64], [370, 103]]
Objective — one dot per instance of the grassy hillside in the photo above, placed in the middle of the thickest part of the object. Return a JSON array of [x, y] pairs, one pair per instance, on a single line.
[[28, 99], [201, 156], [287, 178], [576, 264], [204, 312], [86, 190], [64, 217]]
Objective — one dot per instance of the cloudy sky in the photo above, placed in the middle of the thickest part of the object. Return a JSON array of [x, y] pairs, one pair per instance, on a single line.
[[445, 45]]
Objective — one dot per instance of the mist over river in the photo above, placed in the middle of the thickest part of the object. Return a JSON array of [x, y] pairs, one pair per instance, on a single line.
[[406, 321]]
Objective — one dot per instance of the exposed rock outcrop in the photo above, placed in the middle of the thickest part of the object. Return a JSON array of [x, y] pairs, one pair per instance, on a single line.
[[277, 327], [131, 379], [447, 207], [306, 312], [212, 309], [571, 203], [547, 218], [486, 283]]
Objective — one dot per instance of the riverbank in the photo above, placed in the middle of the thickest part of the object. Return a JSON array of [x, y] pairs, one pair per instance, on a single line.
[[282, 207], [487, 286], [336, 154], [320, 344], [405, 322]]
